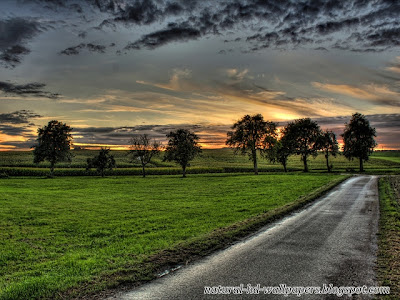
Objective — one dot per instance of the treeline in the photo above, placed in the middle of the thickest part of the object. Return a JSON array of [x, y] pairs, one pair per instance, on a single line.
[[304, 137], [251, 136]]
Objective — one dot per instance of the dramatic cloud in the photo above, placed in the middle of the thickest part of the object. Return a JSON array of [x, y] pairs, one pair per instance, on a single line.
[[91, 47], [356, 26], [378, 94], [30, 89], [140, 12], [14, 34], [177, 62], [16, 129], [294, 23], [18, 117], [173, 33]]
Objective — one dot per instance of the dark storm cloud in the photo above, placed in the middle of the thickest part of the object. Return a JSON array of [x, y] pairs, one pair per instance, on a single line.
[[140, 12], [31, 89], [354, 25], [75, 50], [331, 26], [12, 56], [293, 22], [14, 34], [18, 123], [17, 30], [173, 33], [13, 130], [384, 38], [18, 117]]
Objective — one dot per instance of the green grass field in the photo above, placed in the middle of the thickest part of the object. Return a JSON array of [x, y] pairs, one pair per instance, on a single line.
[[71, 235], [393, 156], [380, 162]]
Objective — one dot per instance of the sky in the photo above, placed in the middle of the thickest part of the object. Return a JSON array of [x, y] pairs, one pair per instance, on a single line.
[[112, 69]]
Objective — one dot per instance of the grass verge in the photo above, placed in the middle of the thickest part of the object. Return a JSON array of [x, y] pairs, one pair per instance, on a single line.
[[389, 235]]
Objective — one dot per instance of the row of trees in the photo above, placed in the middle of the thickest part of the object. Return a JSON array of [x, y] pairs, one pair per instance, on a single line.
[[250, 135], [55, 140], [304, 137]]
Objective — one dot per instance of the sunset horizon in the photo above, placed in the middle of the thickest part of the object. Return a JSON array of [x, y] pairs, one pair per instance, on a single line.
[[112, 69]]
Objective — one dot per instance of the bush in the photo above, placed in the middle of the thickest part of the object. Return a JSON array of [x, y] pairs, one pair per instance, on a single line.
[[4, 175]]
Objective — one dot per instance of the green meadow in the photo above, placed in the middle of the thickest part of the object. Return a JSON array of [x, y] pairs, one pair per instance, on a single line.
[[70, 236], [209, 161], [75, 236]]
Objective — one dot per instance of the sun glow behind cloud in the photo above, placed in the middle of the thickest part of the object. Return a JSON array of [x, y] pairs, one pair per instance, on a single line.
[[176, 63]]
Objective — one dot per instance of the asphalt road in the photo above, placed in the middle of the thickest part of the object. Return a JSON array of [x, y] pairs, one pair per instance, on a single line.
[[332, 241]]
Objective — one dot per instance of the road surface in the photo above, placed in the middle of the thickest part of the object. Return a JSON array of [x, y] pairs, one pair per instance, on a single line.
[[332, 241]]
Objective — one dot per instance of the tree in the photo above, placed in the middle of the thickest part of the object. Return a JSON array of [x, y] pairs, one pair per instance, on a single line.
[[104, 160], [358, 139], [53, 144], [142, 149], [182, 148], [303, 135], [252, 134], [328, 144], [281, 150]]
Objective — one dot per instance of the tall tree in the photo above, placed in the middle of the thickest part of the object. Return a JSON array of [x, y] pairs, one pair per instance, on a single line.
[[142, 149], [53, 144], [182, 148], [303, 135], [358, 139], [104, 160], [328, 144], [251, 134], [281, 150]]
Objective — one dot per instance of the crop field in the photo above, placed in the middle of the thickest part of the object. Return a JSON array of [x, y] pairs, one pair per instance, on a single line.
[[69, 236], [393, 156], [215, 161]]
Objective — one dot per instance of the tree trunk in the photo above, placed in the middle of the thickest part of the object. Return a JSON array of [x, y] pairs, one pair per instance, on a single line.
[[254, 154], [327, 162], [143, 171], [52, 169], [361, 165], [305, 163], [284, 167], [183, 171], [102, 173]]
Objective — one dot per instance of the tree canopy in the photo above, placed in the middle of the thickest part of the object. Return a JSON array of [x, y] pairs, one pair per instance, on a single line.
[[358, 139], [303, 135], [53, 144], [251, 134], [104, 160], [182, 148], [281, 150], [142, 149]]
